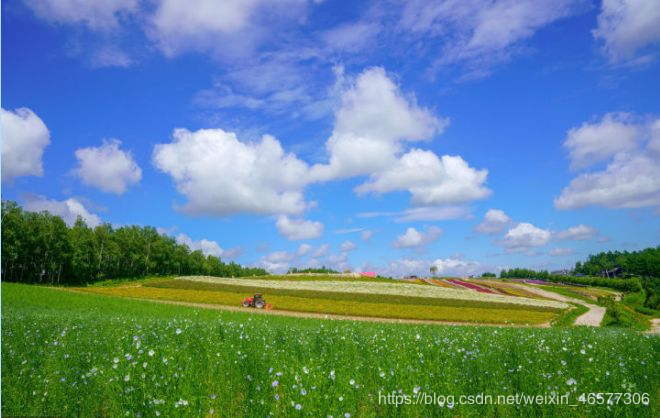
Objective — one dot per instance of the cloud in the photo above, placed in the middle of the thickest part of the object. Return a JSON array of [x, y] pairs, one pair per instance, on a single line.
[[303, 249], [297, 229], [221, 175], [627, 182], [631, 178], [96, 15], [596, 142], [423, 213], [110, 56], [430, 180], [523, 237], [321, 251], [207, 247], [107, 167], [413, 238], [478, 34], [433, 213], [280, 261], [373, 120], [68, 209], [446, 267], [351, 37], [277, 262], [561, 252], [229, 28], [279, 83], [457, 267], [494, 222], [348, 230], [578, 233], [627, 27], [24, 138], [366, 235], [280, 256], [403, 267], [347, 246]]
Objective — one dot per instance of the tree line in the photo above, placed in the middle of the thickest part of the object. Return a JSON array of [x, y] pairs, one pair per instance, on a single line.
[[640, 271], [42, 248], [644, 263], [628, 285], [321, 270]]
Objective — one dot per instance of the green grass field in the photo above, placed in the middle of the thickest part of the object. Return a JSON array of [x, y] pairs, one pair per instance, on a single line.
[[70, 354]]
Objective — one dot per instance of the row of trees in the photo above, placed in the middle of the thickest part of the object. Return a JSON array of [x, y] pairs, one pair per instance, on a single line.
[[518, 273], [41, 248], [644, 263], [321, 270]]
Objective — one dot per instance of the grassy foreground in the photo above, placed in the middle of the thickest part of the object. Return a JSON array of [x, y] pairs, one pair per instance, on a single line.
[[87, 355]]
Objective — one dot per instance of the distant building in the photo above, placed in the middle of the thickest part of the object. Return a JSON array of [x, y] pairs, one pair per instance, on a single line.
[[563, 272], [615, 272]]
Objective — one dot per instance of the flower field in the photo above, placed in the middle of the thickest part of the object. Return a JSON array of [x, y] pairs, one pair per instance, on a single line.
[[390, 307], [403, 289], [70, 354]]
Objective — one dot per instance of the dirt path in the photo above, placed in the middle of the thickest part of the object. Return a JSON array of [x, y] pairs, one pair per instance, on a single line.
[[314, 315], [655, 326], [591, 318]]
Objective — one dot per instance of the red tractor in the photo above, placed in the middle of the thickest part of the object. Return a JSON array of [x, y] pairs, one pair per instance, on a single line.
[[256, 301]]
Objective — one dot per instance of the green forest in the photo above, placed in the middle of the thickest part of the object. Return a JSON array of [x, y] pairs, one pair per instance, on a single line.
[[42, 248], [644, 263], [640, 271]]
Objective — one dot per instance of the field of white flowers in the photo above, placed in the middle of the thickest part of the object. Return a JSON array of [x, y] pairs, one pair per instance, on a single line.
[[70, 354], [379, 288]]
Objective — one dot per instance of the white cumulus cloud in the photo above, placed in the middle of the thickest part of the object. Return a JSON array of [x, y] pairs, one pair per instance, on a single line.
[[457, 267], [221, 175], [445, 266], [494, 222], [631, 178], [595, 142], [69, 209], [227, 27], [430, 180], [524, 237], [107, 167], [413, 238], [24, 138], [207, 247], [370, 125], [627, 27], [578, 233], [298, 229]]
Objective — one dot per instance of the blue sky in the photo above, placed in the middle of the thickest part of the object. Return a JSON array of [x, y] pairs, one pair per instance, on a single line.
[[473, 135]]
